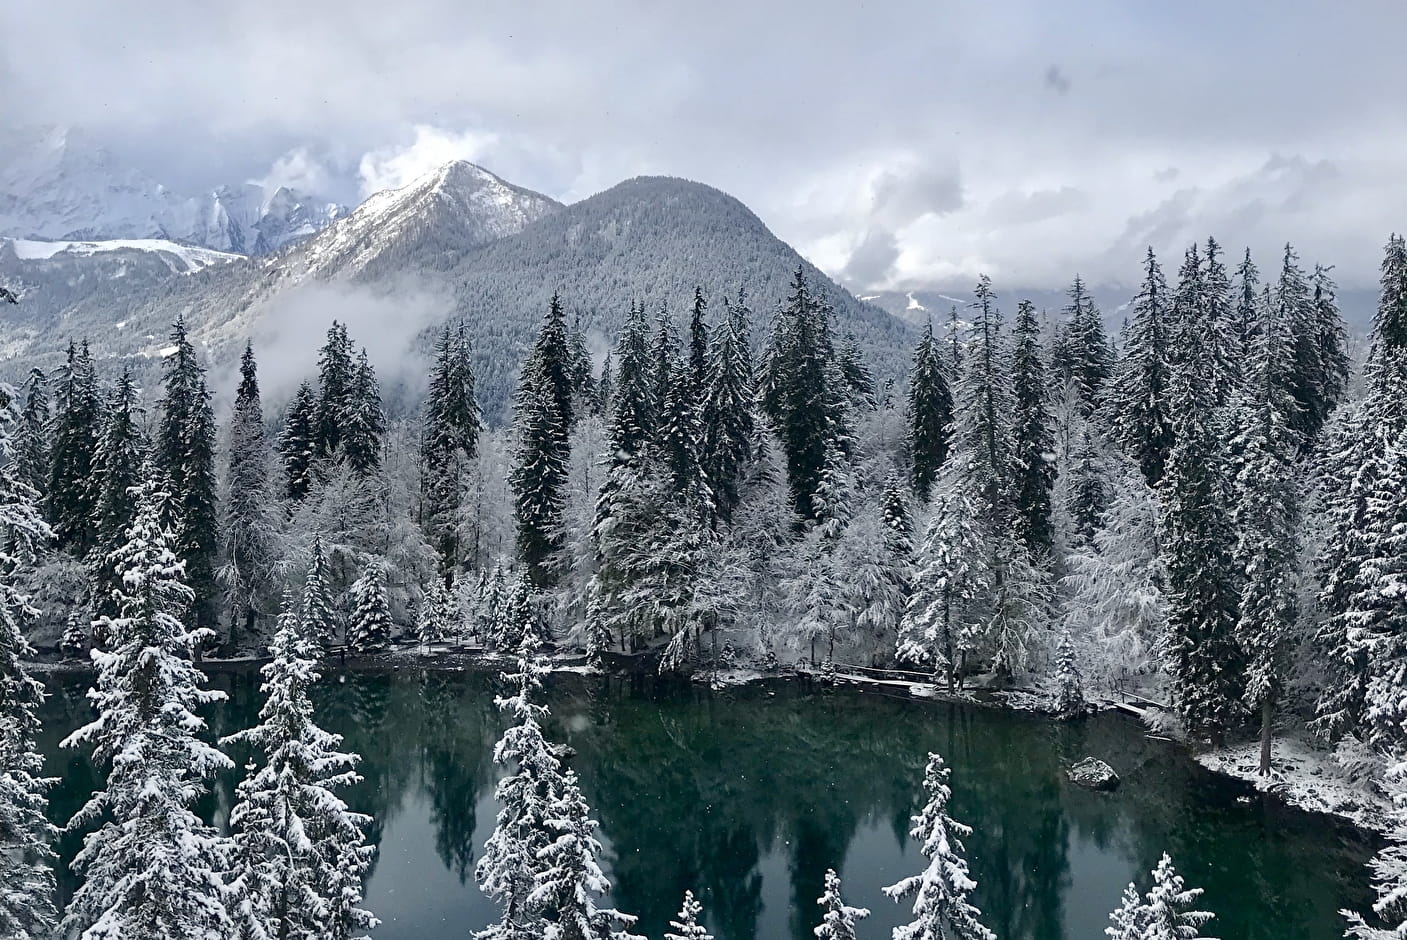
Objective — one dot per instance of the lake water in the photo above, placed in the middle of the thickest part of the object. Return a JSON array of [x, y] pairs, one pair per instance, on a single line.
[[747, 796]]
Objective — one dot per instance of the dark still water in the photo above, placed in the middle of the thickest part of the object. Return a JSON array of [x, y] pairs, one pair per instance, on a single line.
[[748, 796]]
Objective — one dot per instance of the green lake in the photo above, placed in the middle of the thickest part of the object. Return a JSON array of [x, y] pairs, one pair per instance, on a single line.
[[746, 796]]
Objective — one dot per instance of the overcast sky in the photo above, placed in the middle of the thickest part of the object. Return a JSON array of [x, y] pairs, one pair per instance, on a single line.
[[896, 144]]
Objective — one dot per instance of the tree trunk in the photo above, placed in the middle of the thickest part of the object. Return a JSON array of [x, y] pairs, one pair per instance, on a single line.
[[1265, 715]]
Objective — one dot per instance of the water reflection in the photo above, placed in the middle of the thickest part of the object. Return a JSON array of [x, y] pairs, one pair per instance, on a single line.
[[747, 797]]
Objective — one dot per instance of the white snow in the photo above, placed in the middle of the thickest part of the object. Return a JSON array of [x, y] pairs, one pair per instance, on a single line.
[[191, 258], [914, 304], [165, 351]]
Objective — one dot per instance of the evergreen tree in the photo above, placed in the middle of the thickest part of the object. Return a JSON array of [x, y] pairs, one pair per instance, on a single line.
[[1247, 315], [942, 910], [839, 920], [1034, 457], [1082, 354], [1331, 342], [118, 467], [698, 346], [663, 353], [1198, 539], [152, 868], [299, 853], [986, 406], [1389, 868], [687, 926], [316, 611], [438, 617], [186, 455], [1164, 913], [1268, 523], [728, 425], [337, 374], [509, 870], [543, 421], [450, 442], [27, 901], [859, 383], [681, 443], [605, 388], [70, 493], [250, 529], [930, 413], [1086, 496], [297, 443], [1219, 326], [1069, 692], [363, 422], [1140, 407], [370, 629], [31, 445], [1318, 364]]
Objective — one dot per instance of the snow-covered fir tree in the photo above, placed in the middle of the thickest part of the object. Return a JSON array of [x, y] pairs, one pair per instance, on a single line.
[[185, 451], [727, 422], [438, 617], [152, 868], [251, 527], [1246, 317], [839, 919], [316, 609], [1166, 912], [1033, 460], [986, 408], [336, 385], [1140, 409], [941, 904], [297, 443], [27, 859], [1069, 688], [118, 466], [930, 412], [363, 420], [371, 624], [1389, 869], [298, 853], [30, 445], [69, 495], [1081, 353], [685, 925], [449, 441]]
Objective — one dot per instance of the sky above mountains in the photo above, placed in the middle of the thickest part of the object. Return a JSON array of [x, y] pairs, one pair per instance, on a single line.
[[898, 145]]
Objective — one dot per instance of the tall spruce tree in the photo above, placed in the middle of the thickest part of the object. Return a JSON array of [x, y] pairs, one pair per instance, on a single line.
[[449, 442], [1140, 408], [986, 407], [186, 455], [1164, 913], [1219, 325], [27, 859], [250, 529], [930, 413], [839, 920], [1247, 317], [299, 854], [1318, 373], [698, 344], [1082, 353], [118, 467], [1034, 438], [151, 868], [30, 446], [728, 425], [371, 625], [77, 428], [364, 420], [543, 421], [318, 616], [336, 387], [297, 444], [1206, 661]]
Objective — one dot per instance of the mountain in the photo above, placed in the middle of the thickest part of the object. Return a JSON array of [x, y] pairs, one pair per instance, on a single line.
[[457, 242], [55, 184]]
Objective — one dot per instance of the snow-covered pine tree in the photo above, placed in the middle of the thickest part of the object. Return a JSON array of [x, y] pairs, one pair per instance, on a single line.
[[435, 621], [1318, 365], [570, 879], [1082, 352], [185, 452], [1331, 340], [1069, 689], [680, 440], [664, 350], [152, 868], [117, 470], [298, 853], [27, 859], [839, 920], [1165, 913], [1020, 607], [1268, 517], [543, 421], [1219, 326], [1389, 868], [316, 611], [250, 525], [512, 862], [30, 445], [1085, 490], [297, 443], [859, 382], [77, 428], [370, 629], [364, 420], [74, 642], [930, 413], [336, 379], [942, 910], [698, 344], [1139, 404], [1033, 459], [606, 386], [686, 924], [952, 580], [1198, 539], [986, 407], [449, 442], [1246, 317], [493, 601], [728, 424]]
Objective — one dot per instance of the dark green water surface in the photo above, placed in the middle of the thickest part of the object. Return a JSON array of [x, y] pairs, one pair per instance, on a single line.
[[747, 796]]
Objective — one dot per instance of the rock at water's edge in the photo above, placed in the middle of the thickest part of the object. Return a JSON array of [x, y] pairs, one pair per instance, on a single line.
[[1094, 774]]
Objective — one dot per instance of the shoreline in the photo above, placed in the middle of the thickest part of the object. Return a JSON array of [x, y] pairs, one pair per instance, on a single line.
[[1302, 774]]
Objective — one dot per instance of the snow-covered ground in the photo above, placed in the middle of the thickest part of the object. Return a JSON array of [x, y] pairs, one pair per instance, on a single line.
[[187, 258], [1304, 776]]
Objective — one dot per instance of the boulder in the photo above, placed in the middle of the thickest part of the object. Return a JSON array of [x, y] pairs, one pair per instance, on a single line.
[[1094, 774]]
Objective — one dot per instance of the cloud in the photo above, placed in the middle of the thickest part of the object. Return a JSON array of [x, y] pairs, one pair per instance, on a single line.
[[872, 261], [298, 170], [1056, 80], [394, 167]]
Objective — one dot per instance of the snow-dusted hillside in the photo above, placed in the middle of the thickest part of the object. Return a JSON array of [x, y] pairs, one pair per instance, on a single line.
[[180, 259]]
